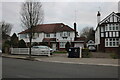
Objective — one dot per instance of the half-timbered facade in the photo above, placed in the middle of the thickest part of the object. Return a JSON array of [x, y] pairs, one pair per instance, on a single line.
[[107, 35]]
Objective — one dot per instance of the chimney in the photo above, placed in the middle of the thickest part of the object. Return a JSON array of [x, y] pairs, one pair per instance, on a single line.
[[119, 7], [75, 31], [98, 17]]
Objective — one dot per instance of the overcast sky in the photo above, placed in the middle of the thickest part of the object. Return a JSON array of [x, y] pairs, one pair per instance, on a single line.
[[61, 12]]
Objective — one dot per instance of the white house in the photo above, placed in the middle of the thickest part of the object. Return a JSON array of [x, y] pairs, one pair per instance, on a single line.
[[55, 35], [107, 34]]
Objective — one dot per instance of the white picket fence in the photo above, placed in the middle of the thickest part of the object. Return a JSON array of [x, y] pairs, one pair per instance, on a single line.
[[33, 51]]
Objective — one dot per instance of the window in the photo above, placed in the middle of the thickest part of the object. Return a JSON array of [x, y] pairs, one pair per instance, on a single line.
[[47, 35], [116, 27], [110, 34], [113, 27], [111, 42], [23, 35], [62, 44], [102, 34], [113, 34], [64, 34], [54, 34], [35, 35], [102, 29], [68, 33], [117, 34], [61, 34], [110, 28], [106, 34], [106, 28]]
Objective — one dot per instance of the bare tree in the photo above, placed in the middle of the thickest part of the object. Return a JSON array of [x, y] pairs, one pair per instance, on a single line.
[[6, 29], [88, 32], [31, 15]]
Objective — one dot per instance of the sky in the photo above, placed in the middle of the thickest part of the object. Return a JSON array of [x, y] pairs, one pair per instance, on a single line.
[[83, 13]]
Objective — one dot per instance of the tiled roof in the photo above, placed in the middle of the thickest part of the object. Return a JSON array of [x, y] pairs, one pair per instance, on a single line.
[[118, 14], [50, 28]]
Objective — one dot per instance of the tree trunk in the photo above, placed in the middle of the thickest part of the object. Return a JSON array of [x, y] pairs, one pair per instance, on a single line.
[[30, 48], [30, 44]]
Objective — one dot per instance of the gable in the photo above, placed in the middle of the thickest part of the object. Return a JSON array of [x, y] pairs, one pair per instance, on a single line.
[[113, 17]]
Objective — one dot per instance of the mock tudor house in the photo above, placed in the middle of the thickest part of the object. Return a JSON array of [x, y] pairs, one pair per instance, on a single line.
[[55, 35], [107, 34]]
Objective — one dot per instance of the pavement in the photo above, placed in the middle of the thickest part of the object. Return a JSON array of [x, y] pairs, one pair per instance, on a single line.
[[62, 58]]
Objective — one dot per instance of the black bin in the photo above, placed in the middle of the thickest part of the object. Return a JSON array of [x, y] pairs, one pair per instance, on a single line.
[[74, 52]]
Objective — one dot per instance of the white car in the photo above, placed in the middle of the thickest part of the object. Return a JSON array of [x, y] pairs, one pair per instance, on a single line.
[[43, 48], [92, 48]]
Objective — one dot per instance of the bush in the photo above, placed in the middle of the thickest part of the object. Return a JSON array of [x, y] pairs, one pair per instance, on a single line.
[[14, 41], [60, 52], [35, 44], [22, 44], [86, 53], [67, 46], [6, 46], [114, 56]]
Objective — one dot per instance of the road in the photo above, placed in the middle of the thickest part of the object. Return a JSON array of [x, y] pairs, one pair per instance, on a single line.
[[16, 68]]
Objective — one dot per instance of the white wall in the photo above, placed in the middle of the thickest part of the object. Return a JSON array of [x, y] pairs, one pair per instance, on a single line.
[[79, 45], [69, 38], [97, 36], [43, 35], [38, 39]]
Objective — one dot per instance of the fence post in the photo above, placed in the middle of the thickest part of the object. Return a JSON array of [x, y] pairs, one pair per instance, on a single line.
[[48, 52], [80, 52]]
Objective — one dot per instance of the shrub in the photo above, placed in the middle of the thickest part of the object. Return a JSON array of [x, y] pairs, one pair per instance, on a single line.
[[14, 41], [86, 53], [114, 56], [60, 52], [35, 44], [6, 46], [22, 44], [67, 46]]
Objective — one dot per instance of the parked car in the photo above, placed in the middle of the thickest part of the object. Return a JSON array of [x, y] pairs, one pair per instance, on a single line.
[[92, 48], [43, 48]]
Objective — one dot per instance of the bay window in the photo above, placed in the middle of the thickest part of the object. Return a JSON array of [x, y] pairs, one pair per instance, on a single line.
[[111, 42]]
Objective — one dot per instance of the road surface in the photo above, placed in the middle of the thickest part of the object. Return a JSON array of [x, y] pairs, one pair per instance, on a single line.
[[17, 68]]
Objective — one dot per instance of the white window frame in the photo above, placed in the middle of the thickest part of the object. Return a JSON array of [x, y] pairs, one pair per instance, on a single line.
[[106, 34], [62, 44], [109, 42], [114, 27], [102, 34], [117, 34]]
